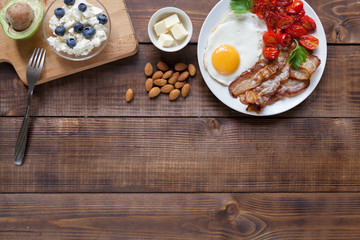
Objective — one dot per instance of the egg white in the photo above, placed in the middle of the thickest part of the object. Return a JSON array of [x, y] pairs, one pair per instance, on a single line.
[[244, 33]]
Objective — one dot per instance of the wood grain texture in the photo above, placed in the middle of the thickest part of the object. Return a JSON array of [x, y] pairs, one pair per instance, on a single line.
[[339, 17], [101, 91], [99, 168], [122, 43], [180, 216], [182, 155]]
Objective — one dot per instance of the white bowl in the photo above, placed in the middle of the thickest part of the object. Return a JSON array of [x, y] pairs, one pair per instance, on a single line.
[[162, 14]]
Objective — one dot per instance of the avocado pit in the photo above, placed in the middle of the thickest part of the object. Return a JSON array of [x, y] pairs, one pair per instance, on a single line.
[[20, 15], [20, 19]]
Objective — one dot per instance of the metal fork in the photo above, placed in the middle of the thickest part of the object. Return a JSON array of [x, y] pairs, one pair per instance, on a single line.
[[33, 73]]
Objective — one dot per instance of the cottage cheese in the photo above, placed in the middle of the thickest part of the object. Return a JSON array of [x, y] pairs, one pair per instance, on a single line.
[[73, 15]]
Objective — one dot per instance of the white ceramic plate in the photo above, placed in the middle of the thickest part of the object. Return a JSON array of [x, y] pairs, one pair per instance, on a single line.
[[222, 92]]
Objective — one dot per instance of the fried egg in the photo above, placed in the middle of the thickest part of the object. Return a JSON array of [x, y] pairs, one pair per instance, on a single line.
[[234, 46]]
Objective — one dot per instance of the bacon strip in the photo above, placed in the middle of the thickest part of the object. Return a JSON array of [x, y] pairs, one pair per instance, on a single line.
[[306, 69], [268, 88], [290, 88], [293, 86], [260, 72], [311, 64], [300, 74]]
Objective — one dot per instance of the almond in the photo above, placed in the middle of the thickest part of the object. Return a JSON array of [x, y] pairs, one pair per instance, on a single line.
[[160, 82], [168, 74], [167, 88], [174, 94], [183, 76], [192, 69], [162, 66], [180, 67], [154, 92], [185, 90], [149, 84], [129, 95], [174, 78], [148, 69], [179, 85], [157, 75]]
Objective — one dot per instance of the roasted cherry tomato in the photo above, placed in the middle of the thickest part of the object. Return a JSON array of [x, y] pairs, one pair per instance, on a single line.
[[255, 2], [308, 23], [283, 3], [296, 31], [281, 11], [272, 3], [270, 52], [262, 10], [272, 21], [284, 39], [295, 8], [278, 31], [253, 8], [298, 17], [309, 42], [269, 39], [285, 22]]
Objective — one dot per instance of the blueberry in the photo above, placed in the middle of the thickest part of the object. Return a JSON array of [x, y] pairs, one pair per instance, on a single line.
[[102, 18], [82, 7], [88, 32], [60, 30], [78, 27], [59, 12], [69, 2], [71, 42]]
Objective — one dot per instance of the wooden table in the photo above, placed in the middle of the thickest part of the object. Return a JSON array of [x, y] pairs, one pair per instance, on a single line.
[[99, 168]]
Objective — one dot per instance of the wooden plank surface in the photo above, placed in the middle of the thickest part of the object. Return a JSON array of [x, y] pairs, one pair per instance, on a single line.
[[98, 168], [101, 91], [180, 216], [122, 43], [183, 155], [339, 17]]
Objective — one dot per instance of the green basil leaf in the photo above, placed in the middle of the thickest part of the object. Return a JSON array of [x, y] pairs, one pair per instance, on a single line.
[[298, 56], [241, 6]]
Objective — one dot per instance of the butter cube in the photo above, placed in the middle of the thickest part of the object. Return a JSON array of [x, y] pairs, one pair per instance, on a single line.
[[171, 20], [166, 40], [160, 28], [178, 31]]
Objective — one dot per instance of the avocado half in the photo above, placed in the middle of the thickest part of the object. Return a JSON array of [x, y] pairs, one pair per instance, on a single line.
[[37, 14]]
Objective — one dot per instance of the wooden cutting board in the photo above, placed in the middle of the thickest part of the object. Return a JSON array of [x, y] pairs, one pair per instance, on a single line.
[[122, 43]]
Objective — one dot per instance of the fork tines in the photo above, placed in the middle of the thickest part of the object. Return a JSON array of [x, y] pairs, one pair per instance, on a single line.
[[37, 58]]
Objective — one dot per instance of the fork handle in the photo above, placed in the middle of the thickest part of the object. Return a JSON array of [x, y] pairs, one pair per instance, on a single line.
[[20, 146]]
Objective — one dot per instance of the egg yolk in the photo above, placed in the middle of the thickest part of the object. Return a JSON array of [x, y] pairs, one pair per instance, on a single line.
[[225, 59]]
